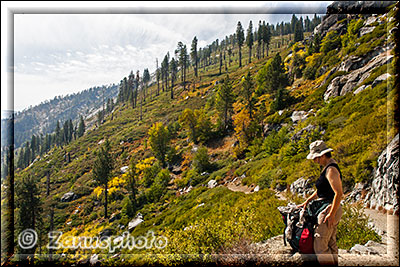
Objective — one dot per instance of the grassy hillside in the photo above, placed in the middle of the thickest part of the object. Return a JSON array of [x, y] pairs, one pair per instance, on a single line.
[[208, 220]]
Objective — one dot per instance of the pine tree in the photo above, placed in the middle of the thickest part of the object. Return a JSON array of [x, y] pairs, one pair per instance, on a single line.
[[81, 127], [248, 89], [102, 169], [298, 31], [259, 39], [58, 136], [220, 62], [158, 75], [131, 89], [293, 23], [193, 55], [240, 40], [250, 38], [29, 210], [165, 71], [173, 70], [146, 79], [266, 35], [272, 76], [224, 102], [181, 51], [189, 120]]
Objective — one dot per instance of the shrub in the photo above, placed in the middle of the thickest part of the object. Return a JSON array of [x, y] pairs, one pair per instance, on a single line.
[[201, 160], [353, 228], [128, 208], [150, 173], [159, 187], [330, 42], [159, 140]]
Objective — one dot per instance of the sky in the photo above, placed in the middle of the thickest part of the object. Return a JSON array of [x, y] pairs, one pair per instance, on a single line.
[[63, 48]]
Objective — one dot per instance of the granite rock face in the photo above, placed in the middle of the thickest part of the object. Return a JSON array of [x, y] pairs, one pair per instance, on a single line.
[[357, 7], [383, 192], [344, 84]]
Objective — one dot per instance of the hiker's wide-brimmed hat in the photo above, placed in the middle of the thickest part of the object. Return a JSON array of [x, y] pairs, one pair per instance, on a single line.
[[317, 149]]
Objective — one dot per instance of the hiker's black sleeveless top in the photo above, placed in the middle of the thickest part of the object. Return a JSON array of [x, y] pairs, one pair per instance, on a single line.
[[324, 189]]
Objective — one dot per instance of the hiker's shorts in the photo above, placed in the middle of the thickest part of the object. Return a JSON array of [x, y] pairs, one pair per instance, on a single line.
[[325, 238]]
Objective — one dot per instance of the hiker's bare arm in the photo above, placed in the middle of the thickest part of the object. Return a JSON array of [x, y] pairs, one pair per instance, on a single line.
[[305, 203], [333, 177]]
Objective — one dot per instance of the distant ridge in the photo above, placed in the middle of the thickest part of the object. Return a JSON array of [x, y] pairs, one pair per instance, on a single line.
[[42, 119]]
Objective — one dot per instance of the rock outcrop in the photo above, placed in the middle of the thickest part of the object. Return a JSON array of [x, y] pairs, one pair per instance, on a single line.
[[302, 187], [358, 7], [135, 222], [70, 196], [383, 192], [342, 85]]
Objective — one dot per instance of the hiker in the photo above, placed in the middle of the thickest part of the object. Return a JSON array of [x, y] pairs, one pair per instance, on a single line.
[[329, 187]]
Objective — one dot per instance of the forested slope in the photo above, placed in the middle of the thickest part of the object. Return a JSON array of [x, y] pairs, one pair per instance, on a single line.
[[168, 149]]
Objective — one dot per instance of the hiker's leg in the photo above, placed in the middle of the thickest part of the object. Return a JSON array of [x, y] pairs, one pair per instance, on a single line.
[[322, 236], [332, 242]]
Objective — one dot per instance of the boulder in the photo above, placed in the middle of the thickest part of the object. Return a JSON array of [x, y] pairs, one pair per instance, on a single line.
[[271, 127], [94, 259], [115, 216], [302, 187], [357, 193], [68, 197], [332, 71], [370, 20], [135, 222], [340, 28], [124, 169], [363, 250], [380, 79], [176, 169], [306, 130], [366, 30], [212, 184], [335, 87], [358, 76], [299, 116], [360, 89], [378, 247]]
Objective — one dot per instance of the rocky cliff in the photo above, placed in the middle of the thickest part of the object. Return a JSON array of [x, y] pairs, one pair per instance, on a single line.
[[384, 187]]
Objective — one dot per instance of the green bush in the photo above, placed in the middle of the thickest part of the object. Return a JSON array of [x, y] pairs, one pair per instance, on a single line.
[[330, 42], [150, 173], [159, 187], [353, 228], [201, 160]]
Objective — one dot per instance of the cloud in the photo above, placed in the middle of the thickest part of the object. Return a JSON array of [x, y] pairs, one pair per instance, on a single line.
[[58, 54]]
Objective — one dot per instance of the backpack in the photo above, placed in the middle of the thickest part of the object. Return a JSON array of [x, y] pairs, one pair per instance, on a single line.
[[299, 225]]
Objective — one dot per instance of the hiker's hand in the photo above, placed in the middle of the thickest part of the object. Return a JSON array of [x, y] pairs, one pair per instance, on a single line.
[[330, 219]]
